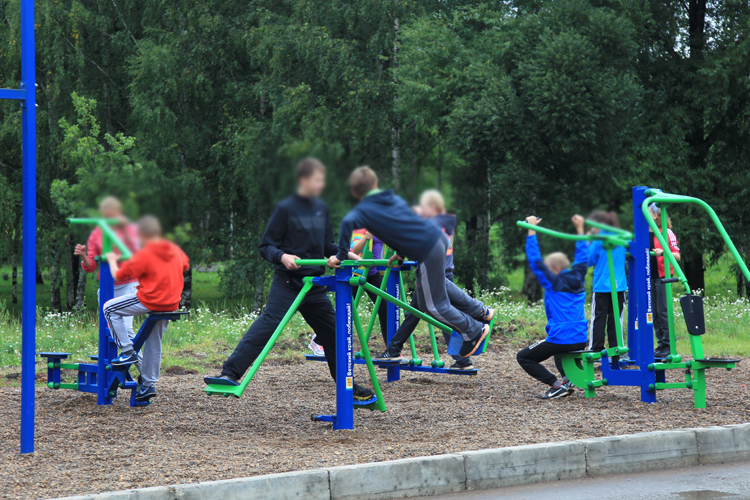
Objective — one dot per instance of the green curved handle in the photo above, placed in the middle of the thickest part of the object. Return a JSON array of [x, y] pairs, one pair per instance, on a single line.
[[109, 236]]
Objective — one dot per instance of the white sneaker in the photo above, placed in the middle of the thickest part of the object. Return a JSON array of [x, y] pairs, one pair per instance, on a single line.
[[317, 349], [403, 361]]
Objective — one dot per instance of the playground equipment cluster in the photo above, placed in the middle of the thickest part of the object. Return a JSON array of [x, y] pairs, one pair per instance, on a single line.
[[624, 365]]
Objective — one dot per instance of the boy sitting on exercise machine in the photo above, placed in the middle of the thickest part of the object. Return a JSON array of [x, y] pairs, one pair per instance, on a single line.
[[389, 218], [564, 304], [158, 267]]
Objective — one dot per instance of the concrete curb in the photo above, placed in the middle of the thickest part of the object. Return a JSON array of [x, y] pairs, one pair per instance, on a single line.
[[473, 470]]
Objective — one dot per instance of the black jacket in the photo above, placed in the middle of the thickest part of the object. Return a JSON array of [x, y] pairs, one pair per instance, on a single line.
[[302, 227]]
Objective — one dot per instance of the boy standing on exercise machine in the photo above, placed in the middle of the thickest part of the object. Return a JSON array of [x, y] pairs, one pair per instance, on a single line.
[[158, 268], [432, 207], [564, 304], [389, 218], [300, 228]]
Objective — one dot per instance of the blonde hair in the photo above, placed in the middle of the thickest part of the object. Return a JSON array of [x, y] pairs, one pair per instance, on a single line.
[[110, 203], [433, 198], [148, 225], [557, 260], [362, 180]]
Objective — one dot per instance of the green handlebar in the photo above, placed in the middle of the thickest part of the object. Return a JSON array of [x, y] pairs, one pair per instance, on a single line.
[[107, 232], [346, 263], [620, 238]]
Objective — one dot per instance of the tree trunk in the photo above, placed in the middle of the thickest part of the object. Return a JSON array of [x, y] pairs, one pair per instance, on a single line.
[[440, 164], [186, 299], [692, 266], [413, 171], [531, 287], [80, 290], [71, 274], [55, 278], [483, 239], [258, 296], [396, 126], [14, 273], [39, 276]]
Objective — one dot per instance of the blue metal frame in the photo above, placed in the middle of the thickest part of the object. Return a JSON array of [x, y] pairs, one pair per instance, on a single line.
[[26, 95]]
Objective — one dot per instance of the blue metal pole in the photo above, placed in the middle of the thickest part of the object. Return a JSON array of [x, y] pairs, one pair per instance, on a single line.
[[344, 363], [28, 297], [641, 341], [107, 348], [394, 318]]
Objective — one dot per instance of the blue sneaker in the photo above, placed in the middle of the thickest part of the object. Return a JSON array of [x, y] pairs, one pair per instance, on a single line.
[[146, 393], [486, 315], [125, 360]]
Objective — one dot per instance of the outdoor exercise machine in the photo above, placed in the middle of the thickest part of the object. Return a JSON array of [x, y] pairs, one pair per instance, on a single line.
[[101, 378], [643, 370], [347, 320], [393, 286]]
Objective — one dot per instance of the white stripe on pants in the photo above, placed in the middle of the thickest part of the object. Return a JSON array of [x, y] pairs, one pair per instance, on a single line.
[[116, 311], [127, 289]]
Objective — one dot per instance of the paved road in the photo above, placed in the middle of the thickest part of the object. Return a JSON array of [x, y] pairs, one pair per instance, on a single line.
[[730, 482]]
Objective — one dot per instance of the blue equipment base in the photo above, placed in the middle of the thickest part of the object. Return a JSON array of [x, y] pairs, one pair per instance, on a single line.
[[457, 341], [362, 404]]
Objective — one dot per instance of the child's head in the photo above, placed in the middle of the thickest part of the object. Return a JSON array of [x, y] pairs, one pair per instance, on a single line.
[[431, 203], [149, 228], [311, 176], [110, 208], [557, 262], [362, 180]]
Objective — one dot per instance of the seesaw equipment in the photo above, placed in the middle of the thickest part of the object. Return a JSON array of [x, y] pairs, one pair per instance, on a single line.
[[102, 378], [640, 368]]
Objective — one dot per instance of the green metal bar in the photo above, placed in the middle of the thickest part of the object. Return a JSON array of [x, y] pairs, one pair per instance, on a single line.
[[419, 314], [659, 197], [346, 263], [615, 230], [53, 385], [380, 403], [672, 385], [412, 347], [667, 275], [433, 342], [66, 366], [109, 237], [614, 239], [615, 302], [238, 390]]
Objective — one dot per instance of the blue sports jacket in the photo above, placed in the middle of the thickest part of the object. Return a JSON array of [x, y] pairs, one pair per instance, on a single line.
[[393, 222], [564, 295], [598, 259]]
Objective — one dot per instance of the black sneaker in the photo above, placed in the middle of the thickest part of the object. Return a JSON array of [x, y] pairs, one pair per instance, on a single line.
[[462, 366], [662, 353], [570, 387], [221, 380], [387, 356], [469, 347], [556, 392], [362, 393]]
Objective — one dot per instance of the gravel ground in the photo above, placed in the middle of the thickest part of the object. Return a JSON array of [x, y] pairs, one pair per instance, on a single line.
[[184, 436]]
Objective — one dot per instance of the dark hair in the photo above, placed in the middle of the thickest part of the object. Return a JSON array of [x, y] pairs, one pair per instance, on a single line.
[[307, 167], [602, 217], [362, 181]]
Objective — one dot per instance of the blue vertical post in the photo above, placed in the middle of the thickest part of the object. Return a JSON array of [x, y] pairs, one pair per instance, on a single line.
[[641, 341], [344, 364], [107, 348], [394, 318], [28, 294]]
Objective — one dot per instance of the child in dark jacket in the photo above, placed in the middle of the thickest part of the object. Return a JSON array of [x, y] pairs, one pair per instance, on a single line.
[[390, 219], [564, 304]]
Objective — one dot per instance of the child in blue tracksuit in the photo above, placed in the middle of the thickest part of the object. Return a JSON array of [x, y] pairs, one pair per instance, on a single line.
[[564, 303], [602, 310], [389, 218]]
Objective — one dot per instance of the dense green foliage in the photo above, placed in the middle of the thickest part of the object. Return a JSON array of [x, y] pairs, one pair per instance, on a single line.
[[198, 111]]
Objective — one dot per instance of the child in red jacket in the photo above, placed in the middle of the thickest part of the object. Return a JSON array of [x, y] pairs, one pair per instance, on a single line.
[[158, 269]]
